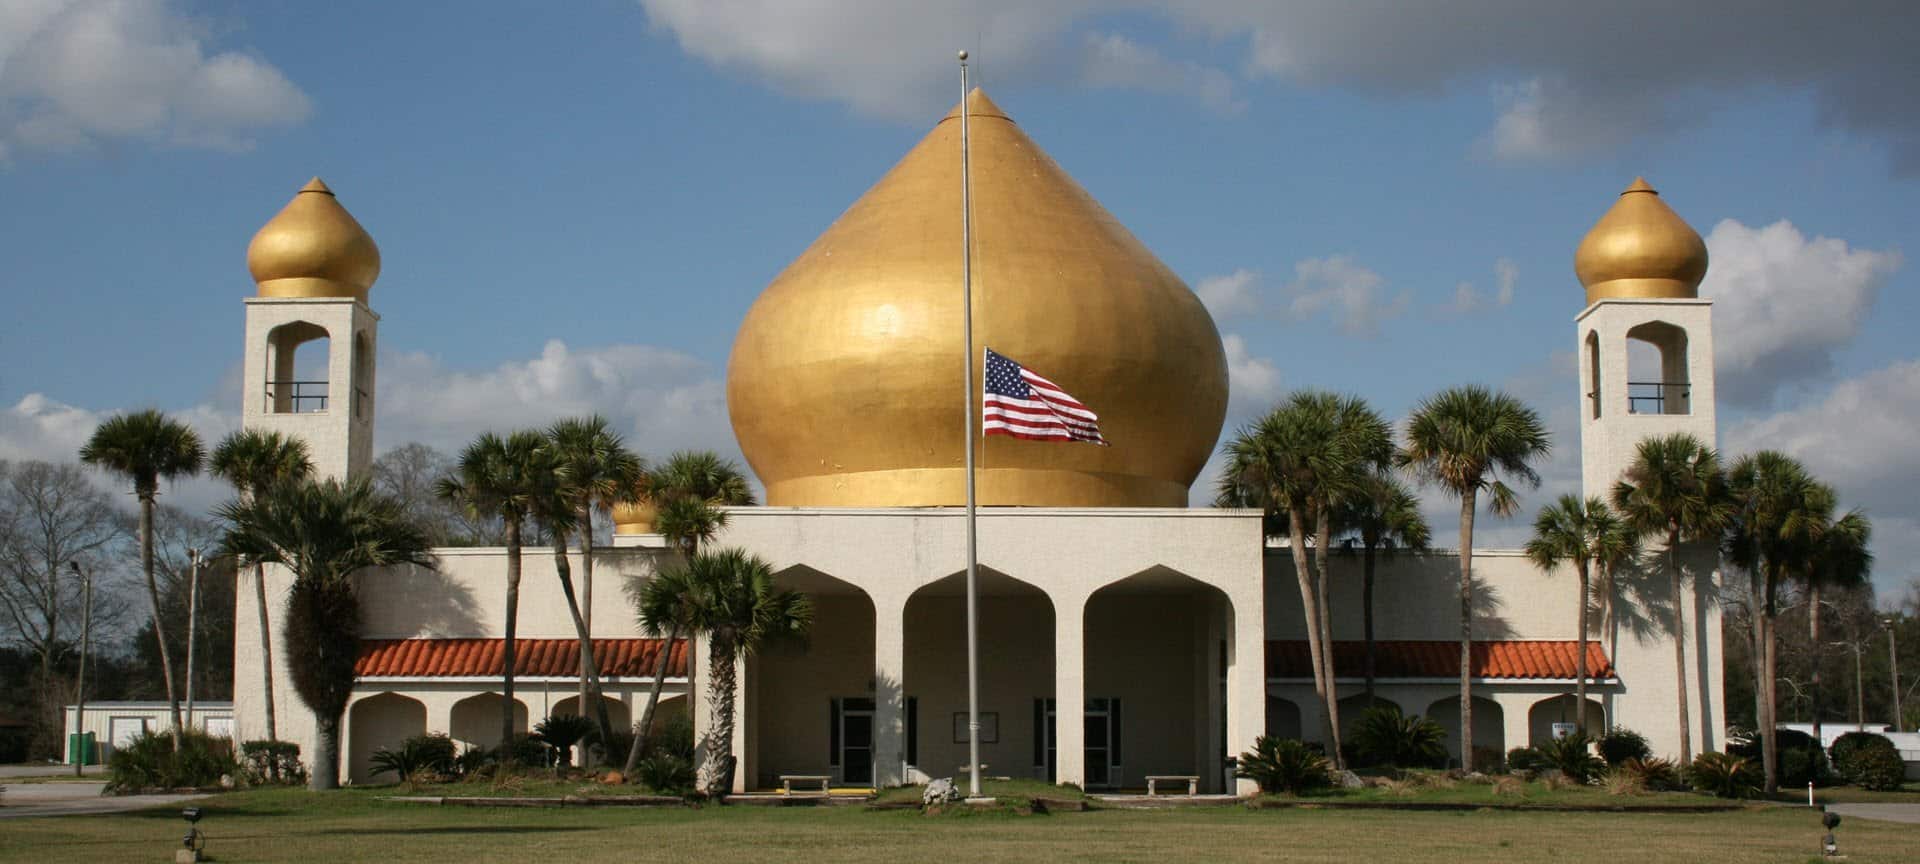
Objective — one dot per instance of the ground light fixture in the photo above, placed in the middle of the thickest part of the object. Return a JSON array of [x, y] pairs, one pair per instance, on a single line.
[[194, 842], [1828, 845]]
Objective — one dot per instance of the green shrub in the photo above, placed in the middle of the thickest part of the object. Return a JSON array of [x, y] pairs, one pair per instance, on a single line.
[[417, 756], [1802, 760], [1878, 768], [272, 763], [1523, 759], [1849, 748], [1384, 737], [152, 761], [526, 751], [1654, 773], [1619, 744], [1724, 775], [1573, 755], [666, 773], [1284, 765], [472, 763], [562, 732]]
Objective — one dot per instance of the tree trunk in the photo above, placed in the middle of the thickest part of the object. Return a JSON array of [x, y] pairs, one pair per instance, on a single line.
[[1813, 635], [153, 603], [513, 628], [1467, 501], [1366, 612], [1323, 537], [1859, 692], [716, 772], [645, 729], [1769, 740], [326, 754], [589, 674], [266, 652], [1297, 540], [1756, 632], [1674, 583], [1580, 655], [589, 669]]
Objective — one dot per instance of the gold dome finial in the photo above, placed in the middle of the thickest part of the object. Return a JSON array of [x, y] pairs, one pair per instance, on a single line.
[[313, 248], [844, 382], [636, 517], [1641, 249]]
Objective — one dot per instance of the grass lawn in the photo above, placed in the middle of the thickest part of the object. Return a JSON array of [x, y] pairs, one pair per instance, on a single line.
[[285, 825]]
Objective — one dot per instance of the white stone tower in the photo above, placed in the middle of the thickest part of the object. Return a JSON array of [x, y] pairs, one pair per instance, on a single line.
[[1646, 336], [314, 265]]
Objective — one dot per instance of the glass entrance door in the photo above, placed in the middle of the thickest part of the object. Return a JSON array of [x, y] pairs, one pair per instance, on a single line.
[[856, 742], [1102, 743]]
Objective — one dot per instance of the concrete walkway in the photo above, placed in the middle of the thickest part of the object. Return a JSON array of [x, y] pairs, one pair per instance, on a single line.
[[47, 769], [1908, 813], [26, 800]]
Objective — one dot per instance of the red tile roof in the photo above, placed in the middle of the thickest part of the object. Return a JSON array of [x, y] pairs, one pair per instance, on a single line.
[[481, 658], [1511, 659]]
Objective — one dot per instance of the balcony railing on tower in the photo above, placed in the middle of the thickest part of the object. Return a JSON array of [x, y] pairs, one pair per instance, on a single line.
[[297, 397], [1658, 397]]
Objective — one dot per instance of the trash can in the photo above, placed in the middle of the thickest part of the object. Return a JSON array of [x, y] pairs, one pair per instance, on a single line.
[[80, 749]]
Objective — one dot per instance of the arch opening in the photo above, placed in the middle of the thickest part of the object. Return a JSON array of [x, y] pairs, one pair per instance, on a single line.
[[1553, 716], [1016, 677], [380, 721], [362, 375], [1657, 370], [475, 720], [298, 357], [1489, 731], [1283, 717], [811, 703], [1594, 400], [1158, 647]]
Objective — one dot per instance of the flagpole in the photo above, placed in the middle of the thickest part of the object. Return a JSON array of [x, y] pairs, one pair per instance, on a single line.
[[966, 349]]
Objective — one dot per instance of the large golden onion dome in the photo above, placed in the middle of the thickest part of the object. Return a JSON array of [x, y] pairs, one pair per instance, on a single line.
[[844, 384], [313, 248], [1641, 249]]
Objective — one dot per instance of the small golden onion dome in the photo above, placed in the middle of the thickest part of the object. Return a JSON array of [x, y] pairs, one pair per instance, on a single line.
[[844, 386], [313, 248], [636, 517], [1641, 249]]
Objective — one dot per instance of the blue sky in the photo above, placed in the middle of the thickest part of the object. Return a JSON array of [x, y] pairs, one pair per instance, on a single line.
[[577, 202]]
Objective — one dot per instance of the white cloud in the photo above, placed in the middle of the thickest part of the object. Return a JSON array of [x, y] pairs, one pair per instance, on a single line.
[[661, 400], [1784, 304], [1344, 289], [1467, 298], [1565, 78], [77, 74], [1859, 439], [1233, 294], [1113, 60], [1252, 382]]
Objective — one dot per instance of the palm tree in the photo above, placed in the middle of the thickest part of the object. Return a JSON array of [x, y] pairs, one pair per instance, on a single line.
[[1616, 544], [325, 533], [730, 597], [1676, 490], [1572, 530], [553, 512], [594, 469], [1387, 517], [1775, 504], [147, 447], [1304, 458], [1466, 440], [688, 491], [1840, 559], [255, 461], [502, 477]]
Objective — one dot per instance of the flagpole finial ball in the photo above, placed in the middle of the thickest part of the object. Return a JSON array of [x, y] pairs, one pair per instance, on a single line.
[[963, 56]]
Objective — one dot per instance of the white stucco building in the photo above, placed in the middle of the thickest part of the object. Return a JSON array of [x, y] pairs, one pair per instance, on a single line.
[[1122, 633]]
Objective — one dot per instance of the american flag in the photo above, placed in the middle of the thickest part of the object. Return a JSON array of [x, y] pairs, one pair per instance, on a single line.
[[1022, 404]]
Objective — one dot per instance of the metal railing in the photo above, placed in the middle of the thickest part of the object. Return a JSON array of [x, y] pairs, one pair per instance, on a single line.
[[297, 397], [1658, 397]]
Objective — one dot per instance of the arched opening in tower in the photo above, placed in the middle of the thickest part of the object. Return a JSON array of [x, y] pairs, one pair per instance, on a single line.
[[1657, 370], [298, 357]]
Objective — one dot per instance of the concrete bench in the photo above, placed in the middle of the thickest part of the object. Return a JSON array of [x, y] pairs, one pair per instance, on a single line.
[[1154, 781], [787, 780]]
